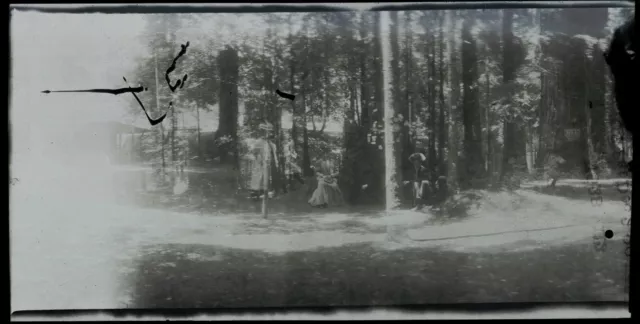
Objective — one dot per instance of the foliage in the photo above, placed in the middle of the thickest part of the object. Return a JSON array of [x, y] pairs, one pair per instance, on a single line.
[[331, 62]]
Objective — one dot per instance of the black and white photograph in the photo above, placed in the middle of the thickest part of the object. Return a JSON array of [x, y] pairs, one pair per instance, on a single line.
[[230, 160]]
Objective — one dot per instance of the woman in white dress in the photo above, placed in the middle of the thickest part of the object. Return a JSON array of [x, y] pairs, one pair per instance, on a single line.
[[327, 193], [264, 159]]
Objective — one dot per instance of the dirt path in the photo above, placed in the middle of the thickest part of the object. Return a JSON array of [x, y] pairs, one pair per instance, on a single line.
[[79, 251]]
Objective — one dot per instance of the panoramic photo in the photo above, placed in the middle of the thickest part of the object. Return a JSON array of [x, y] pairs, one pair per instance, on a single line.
[[243, 160]]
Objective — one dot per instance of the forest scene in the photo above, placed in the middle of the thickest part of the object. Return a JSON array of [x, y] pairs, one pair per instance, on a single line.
[[347, 158], [493, 99]]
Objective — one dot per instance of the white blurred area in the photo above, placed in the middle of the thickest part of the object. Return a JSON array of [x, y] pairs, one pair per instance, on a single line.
[[58, 52], [54, 167], [62, 207]]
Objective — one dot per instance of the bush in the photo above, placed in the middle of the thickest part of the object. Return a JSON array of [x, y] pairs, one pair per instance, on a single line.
[[459, 204], [601, 166]]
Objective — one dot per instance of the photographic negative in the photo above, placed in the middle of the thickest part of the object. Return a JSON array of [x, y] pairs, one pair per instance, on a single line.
[[336, 158]]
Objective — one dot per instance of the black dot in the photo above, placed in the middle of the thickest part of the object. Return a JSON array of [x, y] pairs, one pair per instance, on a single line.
[[608, 234]]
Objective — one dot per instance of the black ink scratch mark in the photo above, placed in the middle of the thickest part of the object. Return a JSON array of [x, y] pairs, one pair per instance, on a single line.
[[151, 121], [109, 91], [179, 83], [285, 95]]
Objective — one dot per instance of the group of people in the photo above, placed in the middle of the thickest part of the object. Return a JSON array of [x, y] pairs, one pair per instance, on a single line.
[[427, 190], [264, 164]]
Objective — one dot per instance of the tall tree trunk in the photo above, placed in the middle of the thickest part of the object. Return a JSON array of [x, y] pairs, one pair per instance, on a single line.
[[529, 149], [509, 155], [454, 95], [162, 138], [377, 114], [306, 159], [487, 118], [158, 109], [612, 123], [198, 133], [598, 99], [277, 164], [473, 159], [365, 156], [326, 103], [364, 95], [588, 106], [174, 127], [228, 106], [396, 105], [542, 123], [389, 63], [409, 146], [547, 74], [431, 82], [348, 170], [292, 85], [442, 130]]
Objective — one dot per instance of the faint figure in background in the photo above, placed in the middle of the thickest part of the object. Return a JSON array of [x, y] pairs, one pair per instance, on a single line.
[[421, 184], [553, 169], [181, 183], [293, 171], [327, 193], [443, 190]]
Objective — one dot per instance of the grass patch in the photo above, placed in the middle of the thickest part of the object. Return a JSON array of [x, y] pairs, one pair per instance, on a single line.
[[358, 274]]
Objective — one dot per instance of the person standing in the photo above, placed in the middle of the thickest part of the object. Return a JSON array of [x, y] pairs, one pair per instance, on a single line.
[[421, 185], [264, 152]]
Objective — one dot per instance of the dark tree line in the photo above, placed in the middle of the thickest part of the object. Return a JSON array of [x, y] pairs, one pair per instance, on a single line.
[[489, 96]]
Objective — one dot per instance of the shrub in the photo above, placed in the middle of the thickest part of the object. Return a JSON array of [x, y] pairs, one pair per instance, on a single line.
[[458, 205]]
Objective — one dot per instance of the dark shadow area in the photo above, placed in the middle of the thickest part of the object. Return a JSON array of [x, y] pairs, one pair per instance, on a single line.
[[360, 275]]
